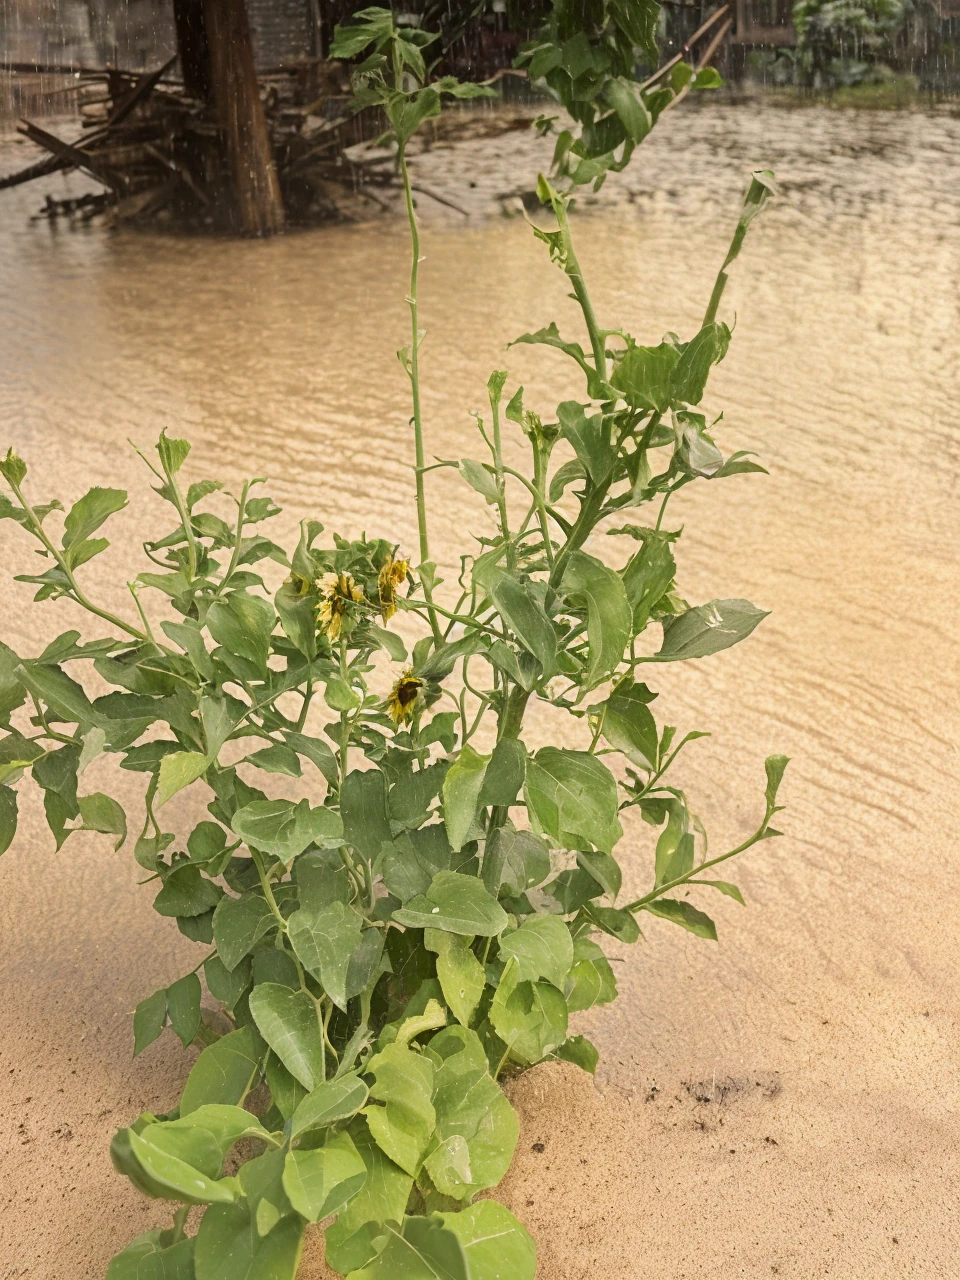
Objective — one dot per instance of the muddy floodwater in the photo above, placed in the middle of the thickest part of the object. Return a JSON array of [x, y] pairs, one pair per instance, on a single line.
[[783, 1102]]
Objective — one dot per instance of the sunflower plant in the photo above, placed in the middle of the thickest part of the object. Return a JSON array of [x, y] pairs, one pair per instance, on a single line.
[[419, 921]]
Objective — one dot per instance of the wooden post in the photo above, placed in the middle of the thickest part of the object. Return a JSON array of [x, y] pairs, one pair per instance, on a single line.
[[233, 80], [192, 47]]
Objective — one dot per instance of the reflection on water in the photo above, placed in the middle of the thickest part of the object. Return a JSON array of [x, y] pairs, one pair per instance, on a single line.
[[278, 358]]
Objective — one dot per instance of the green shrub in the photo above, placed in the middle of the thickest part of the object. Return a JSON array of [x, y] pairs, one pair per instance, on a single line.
[[387, 951]]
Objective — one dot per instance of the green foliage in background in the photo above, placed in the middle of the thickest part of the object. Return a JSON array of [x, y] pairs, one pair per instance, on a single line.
[[399, 902], [847, 42]]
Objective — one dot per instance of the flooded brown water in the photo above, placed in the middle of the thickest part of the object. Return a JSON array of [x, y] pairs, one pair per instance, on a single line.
[[785, 1102]]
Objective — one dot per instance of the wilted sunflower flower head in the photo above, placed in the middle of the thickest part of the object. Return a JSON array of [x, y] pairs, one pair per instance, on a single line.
[[337, 592], [389, 580], [402, 701]]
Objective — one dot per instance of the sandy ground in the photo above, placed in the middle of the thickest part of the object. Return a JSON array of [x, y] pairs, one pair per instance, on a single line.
[[784, 1102]]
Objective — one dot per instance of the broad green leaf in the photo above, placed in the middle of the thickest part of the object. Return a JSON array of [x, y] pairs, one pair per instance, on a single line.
[[708, 629], [243, 624], [404, 1124], [422, 1249], [505, 774], [629, 726], [283, 828], [523, 613], [524, 860], [579, 1051], [618, 923], [340, 696], [325, 939], [289, 1021], [149, 1019], [689, 377], [456, 903], [363, 808], [8, 817], [229, 1246], [382, 1198], [529, 1017], [318, 1182], [183, 1008], [684, 914], [477, 1129], [590, 437], [225, 1071], [276, 759], [186, 892], [604, 868], [459, 971], [390, 641], [322, 877], [65, 698], [86, 516], [481, 478], [542, 948], [226, 985], [573, 798], [461, 793], [178, 771], [329, 1102], [315, 749], [148, 1258], [496, 1245], [262, 1182], [648, 574], [643, 375], [630, 108], [608, 613], [179, 1176], [238, 925], [100, 813]]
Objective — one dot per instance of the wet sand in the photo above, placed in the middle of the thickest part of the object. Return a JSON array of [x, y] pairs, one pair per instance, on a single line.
[[784, 1102]]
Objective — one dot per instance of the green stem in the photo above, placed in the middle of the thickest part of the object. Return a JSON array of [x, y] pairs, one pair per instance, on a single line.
[[575, 273], [238, 537], [689, 876], [267, 891]]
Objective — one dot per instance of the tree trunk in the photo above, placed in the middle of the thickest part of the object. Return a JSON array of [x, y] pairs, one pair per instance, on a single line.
[[192, 47], [233, 80]]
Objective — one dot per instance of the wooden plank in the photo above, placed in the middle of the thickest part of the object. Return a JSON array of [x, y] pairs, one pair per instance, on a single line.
[[73, 156]]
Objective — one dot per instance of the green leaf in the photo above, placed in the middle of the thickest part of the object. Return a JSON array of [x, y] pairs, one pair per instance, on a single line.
[[459, 971], [524, 861], [173, 453], [579, 1051], [289, 1022], [179, 1175], [8, 817], [315, 749], [608, 613], [226, 985], [708, 628], [363, 808], [276, 759], [390, 641], [630, 108], [330, 1102], [529, 1017], [340, 696], [351, 1241], [591, 981], [505, 774], [238, 925], [684, 914], [523, 613], [573, 798], [604, 868], [542, 948], [149, 1019], [186, 892], [325, 938], [159, 1261], [496, 1245], [183, 1008], [648, 575], [628, 724], [404, 1124], [461, 793], [230, 1247], [481, 478], [689, 378], [63, 696], [85, 518], [100, 813], [456, 903], [13, 468], [590, 437], [318, 1182], [775, 767], [619, 924], [178, 771], [283, 828], [243, 624], [723, 886], [477, 1129], [225, 1071], [643, 375], [422, 1249]]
